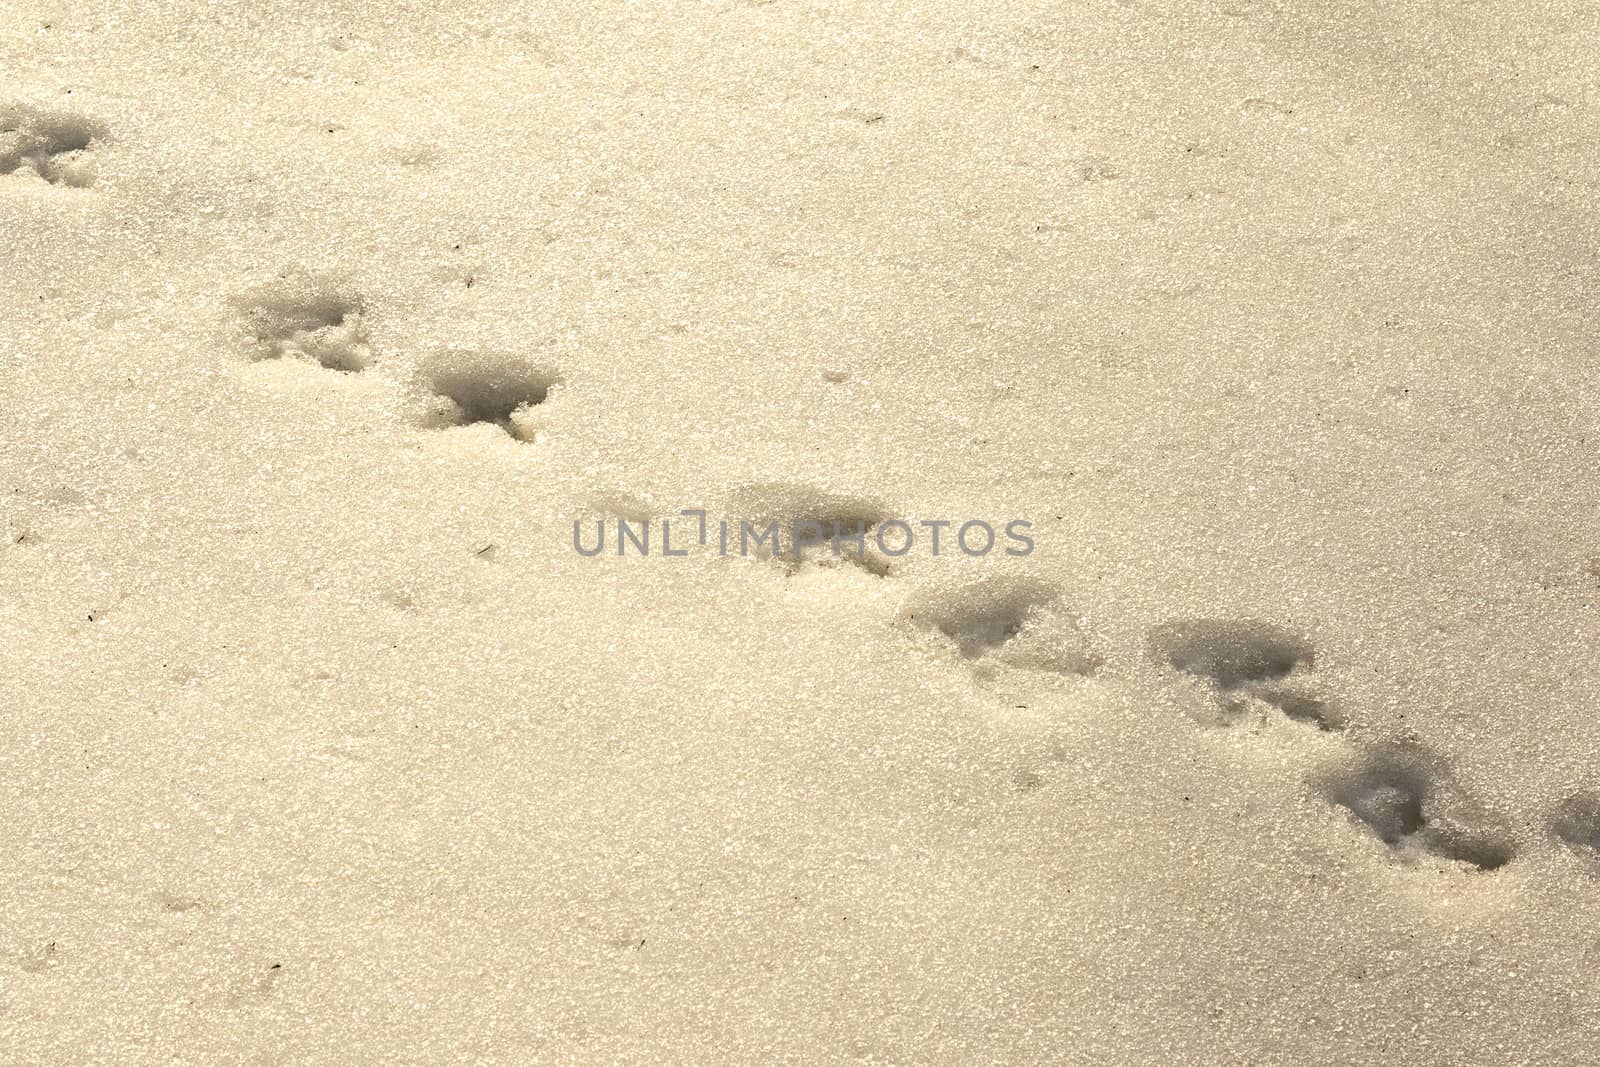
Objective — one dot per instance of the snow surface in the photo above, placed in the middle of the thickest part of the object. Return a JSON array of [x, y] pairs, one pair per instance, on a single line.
[[321, 324]]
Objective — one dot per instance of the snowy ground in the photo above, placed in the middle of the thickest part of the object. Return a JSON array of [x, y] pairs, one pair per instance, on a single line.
[[322, 324]]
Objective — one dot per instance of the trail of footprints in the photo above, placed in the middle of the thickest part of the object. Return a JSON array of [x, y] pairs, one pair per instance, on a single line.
[[322, 320], [993, 624], [1398, 792], [302, 316]]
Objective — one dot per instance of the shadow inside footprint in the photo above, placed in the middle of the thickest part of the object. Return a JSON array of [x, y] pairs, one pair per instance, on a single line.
[[1296, 706], [490, 388], [1576, 823], [836, 533], [1402, 796], [1014, 622], [1245, 661], [307, 317], [55, 145], [796, 525], [980, 631], [1388, 799], [1230, 652]]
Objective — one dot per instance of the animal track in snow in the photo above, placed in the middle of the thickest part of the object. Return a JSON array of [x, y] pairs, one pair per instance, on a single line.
[[1231, 653], [1006, 622], [1401, 794], [307, 317], [1248, 663], [809, 527], [54, 145], [1576, 823], [1398, 792], [1298, 705], [471, 387]]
